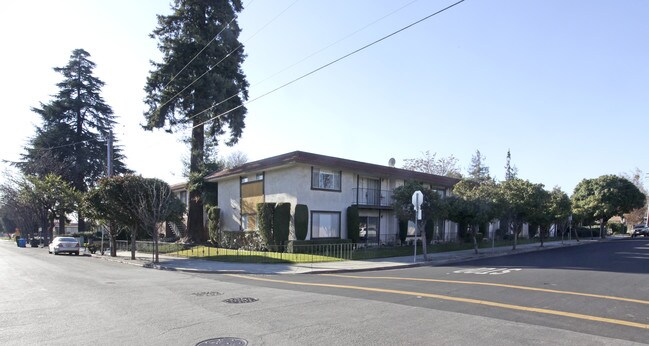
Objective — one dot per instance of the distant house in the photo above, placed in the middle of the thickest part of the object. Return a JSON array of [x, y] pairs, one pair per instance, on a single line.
[[327, 186]]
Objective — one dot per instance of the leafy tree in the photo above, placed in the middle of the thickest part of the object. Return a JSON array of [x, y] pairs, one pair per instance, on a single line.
[[605, 197], [199, 84], [54, 195], [478, 170], [637, 216], [560, 208], [134, 202], [445, 166], [523, 201], [71, 142], [474, 205], [433, 207]]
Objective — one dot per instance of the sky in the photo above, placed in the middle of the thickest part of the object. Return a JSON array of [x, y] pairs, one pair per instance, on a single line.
[[561, 84]]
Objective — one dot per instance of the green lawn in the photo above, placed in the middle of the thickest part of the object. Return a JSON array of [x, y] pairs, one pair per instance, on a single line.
[[245, 256]]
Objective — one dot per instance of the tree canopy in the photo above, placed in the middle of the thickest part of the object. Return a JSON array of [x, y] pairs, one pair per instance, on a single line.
[[601, 198], [198, 84], [71, 142]]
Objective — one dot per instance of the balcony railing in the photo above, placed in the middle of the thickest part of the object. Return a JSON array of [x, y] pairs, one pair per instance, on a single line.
[[372, 197]]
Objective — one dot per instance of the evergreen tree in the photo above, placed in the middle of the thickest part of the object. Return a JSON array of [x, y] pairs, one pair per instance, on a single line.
[[71, 142], [478, 171], [511, 172], [199, 85]]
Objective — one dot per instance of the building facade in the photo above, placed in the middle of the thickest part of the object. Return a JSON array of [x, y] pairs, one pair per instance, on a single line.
[[327, 186]]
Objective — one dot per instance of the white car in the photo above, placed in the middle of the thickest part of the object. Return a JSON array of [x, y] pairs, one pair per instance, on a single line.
[[64, 244]]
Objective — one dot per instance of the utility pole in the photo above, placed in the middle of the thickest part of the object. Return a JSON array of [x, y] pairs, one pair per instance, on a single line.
[[109, 173]]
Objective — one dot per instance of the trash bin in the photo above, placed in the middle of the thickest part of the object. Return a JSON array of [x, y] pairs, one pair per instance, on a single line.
[[22, 242]]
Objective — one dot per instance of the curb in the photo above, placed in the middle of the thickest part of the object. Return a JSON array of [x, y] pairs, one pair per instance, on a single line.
[[432, 263]]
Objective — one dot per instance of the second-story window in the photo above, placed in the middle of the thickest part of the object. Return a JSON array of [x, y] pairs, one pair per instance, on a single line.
[[324, 179]]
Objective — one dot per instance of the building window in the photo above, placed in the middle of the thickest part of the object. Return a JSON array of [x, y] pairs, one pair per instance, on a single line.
[[183, 197], [322, 179], [325, 224], [249, 222]]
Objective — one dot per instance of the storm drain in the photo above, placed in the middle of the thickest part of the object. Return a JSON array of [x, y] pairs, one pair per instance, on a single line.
[[207, 294], [240, 300], [223, 341]]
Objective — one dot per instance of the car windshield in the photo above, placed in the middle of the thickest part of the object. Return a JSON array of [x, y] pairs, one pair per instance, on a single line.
[[67, 239]]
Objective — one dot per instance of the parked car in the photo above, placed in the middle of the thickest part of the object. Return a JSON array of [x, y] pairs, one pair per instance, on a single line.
[[64, 244], [640, 231]]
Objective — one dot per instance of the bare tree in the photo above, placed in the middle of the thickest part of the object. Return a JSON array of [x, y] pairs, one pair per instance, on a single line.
[[152, 203], [235, 159], [429, 163]]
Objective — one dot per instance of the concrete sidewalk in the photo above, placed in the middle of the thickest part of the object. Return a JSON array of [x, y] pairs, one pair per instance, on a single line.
[[207, 266]]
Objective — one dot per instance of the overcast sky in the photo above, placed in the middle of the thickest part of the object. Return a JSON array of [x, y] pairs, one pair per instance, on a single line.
[[562, 84]]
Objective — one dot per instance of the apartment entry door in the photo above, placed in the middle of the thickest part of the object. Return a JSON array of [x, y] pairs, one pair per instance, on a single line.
[[370, 231]]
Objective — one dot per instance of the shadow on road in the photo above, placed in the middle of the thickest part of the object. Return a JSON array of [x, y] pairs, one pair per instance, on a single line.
[[629, 255]]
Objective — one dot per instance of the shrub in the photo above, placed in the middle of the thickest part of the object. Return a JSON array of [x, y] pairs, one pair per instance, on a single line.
[[403, 230], [246, 240], [301, 221], [265, 219], [617, 227], [353, 223], [281, 222], [213, 222]]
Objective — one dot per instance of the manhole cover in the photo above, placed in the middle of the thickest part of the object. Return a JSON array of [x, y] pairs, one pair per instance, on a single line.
[[240, 300], [223, 341], [207, 294]]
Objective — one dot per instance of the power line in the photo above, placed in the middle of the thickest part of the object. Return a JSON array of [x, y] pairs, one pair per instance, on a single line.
[[220, 61], [310, 55], [322, 67]]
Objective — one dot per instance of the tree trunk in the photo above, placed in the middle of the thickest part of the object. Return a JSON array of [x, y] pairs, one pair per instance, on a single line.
[[475, 241], [195, 213], [515, 235], [62, 220], [602, 229], [133, 245]]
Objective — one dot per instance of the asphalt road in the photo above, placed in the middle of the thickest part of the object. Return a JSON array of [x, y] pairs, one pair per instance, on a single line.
[[586, 295]]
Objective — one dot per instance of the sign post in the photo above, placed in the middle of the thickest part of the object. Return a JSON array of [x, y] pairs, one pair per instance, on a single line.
[[417, 200]]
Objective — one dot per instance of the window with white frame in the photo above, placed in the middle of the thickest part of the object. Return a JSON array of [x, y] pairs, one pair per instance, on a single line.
[[325, 224], [323, 179]]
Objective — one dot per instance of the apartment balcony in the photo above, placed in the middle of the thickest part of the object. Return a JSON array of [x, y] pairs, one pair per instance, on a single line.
[[372, 198]]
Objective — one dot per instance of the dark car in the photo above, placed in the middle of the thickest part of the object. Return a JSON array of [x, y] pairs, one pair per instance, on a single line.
[[640, 231]]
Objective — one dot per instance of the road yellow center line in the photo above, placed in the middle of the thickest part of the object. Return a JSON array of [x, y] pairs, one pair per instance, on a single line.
[[455, 299], [527, 288]]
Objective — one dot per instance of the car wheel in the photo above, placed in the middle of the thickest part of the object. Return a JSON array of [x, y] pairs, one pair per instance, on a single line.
[[76, 253]]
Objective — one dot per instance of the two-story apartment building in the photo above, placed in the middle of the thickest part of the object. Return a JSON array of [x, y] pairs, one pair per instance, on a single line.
[[326, 185]]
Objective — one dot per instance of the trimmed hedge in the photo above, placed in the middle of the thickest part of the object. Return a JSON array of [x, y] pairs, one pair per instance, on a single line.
[[281, 223], [301, 221], [247, 240], [265, 213], [403, 230], [213, 221], [353, 223]]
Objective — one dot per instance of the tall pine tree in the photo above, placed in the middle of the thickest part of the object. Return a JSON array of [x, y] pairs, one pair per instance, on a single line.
[[199, 85], [72, 140], [478, 170]]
